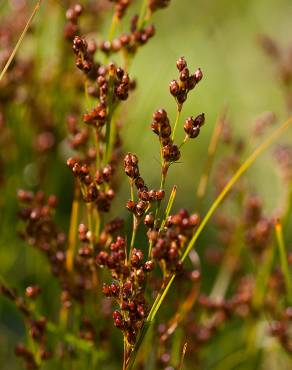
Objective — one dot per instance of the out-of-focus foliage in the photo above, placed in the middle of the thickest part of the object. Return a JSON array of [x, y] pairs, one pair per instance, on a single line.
[[220, 36]]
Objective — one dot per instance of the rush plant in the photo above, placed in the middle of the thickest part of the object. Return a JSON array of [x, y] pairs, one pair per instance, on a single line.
[[142, 274]]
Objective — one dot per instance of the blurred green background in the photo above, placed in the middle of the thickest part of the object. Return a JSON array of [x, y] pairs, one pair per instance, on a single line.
[[220, 36]]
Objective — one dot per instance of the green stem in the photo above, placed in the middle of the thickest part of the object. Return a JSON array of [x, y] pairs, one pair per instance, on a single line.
[[283, 260], [134, 233], [178, 113], [110, 130], [169, 206], [135, 220], [113, 25], [142, 14], [90, 224], [73, 229]]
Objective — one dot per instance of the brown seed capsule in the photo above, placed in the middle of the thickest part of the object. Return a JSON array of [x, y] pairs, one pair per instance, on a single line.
[[148, 266], [160, 194], [199, 120], [149, 220], [194, 219], [174, 88], [181, 64], [198, 75], [114, 288], [131, 205], [160, 115], [184, 74]]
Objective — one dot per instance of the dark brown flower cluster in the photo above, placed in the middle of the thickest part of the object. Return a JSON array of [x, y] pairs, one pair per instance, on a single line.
[[161, 127], [128, 288], [113, 85], [72, 15], [129, 42], [42, 232], [158, 4], [281, 329], [192, 125], [186, 82], [283, 155], [84, 56], [146, 196], [95, 189], [168, 243], [121, 7], [79, 136], [258, 227]]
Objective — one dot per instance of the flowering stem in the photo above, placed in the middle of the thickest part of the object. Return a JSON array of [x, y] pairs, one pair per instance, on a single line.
[[178, 113], [169, 206], [165, 288]]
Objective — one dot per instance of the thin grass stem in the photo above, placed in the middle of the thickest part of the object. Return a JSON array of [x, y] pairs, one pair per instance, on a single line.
[[14, 51], [284, 260]]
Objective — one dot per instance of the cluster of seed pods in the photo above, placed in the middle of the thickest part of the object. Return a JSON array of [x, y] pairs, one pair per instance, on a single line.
[[128, 287]]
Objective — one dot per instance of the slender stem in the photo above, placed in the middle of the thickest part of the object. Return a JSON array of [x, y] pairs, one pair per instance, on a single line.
[[12, 55], [87, 100], [97, 159], [242, 169], [97, 224], [110, 132], [73, 229], [178, 113], [135, 221], [283, 260], [113, 25], [125, 355], [90, 223], [169, 206], [164, 171], [184, 141], [134, 233], [142, 14]]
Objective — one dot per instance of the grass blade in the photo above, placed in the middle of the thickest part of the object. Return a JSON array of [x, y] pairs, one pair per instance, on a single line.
[[28, 23]]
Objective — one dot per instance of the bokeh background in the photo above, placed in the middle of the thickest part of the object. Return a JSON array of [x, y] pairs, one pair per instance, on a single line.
[[220, 36]]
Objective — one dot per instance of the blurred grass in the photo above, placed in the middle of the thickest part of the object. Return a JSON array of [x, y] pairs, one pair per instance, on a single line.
[[217, 35]]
